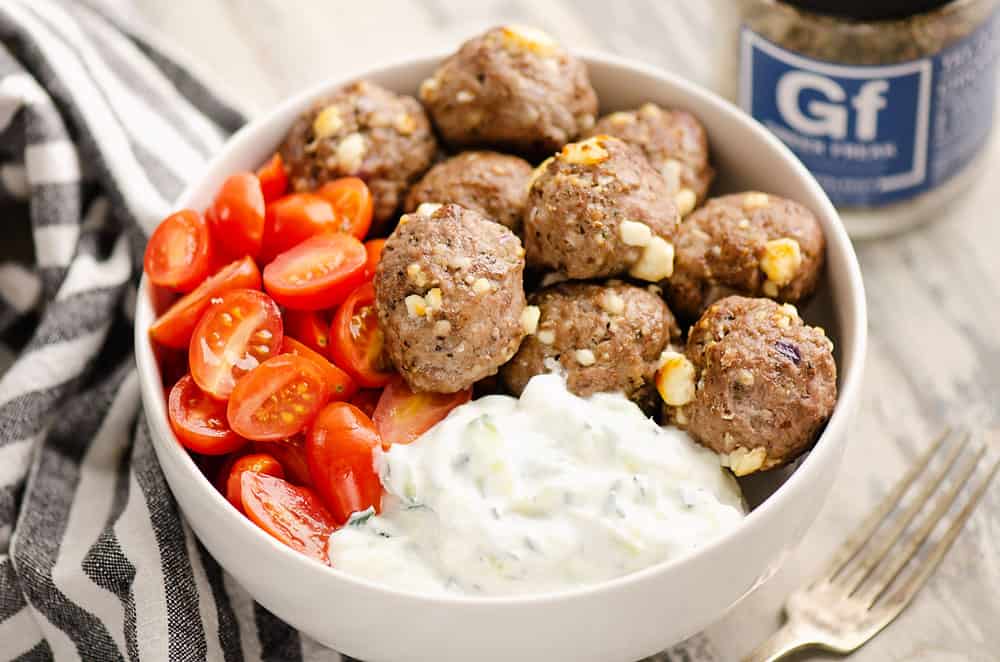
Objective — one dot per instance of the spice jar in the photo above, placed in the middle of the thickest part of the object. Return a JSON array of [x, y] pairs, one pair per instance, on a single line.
[[889, 103]]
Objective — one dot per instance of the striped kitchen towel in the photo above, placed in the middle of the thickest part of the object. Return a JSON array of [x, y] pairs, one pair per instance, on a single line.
[[99, 128]]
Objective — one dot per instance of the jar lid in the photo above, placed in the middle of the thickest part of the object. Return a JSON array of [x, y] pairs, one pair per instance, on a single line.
[[868, 10]]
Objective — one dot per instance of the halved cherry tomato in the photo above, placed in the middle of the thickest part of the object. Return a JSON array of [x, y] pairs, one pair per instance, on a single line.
[[291, 453], [356, 342], [259, 463], [277, 398], [200, 421], [339, 450], [161, 298], [308, 327], [294, 515], [175, 327], [318, 273], [352, 203], [366, 400], [273, 178], [293, 219], [237, 215], [233, 337], [339, 384], [179, 252], [402, 415], [373, 247]]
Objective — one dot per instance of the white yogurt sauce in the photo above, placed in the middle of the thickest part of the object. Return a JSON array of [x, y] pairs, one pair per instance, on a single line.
[[542, 493]]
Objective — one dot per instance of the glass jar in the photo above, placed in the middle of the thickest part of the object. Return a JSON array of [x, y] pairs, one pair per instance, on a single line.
[[889, 103]]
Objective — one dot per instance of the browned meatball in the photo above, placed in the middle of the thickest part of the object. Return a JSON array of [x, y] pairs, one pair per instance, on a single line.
[[364, 130], [760, 383], [675, 143], [450, 298], [605, 337], [598, 209], [512, 87], [493, 184], [752, 244]]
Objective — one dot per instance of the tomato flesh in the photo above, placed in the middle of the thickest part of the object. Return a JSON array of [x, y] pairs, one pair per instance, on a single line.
[[257, 462], [403, 414], [318, 273], [277, 399], [339, 451], [309, 328], [373, 248], [174, 328], [179, 253], [273, 179], [294, 515], [352, 202], [357, 343], [339, 384], [291, 453], [199, 421], [233, 337], [292, 219], [237, 215]]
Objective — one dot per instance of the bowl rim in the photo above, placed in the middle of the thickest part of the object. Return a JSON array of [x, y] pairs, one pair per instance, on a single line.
[[850, 370]]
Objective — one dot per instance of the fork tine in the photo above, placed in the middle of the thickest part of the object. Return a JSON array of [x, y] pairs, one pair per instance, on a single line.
[[882, 580], [871, 560], [902, 596], [857, 540]]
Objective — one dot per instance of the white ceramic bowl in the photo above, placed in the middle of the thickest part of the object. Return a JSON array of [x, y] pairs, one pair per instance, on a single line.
[[621, 620]]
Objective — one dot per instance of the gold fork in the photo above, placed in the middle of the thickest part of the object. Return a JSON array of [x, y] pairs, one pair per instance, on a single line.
[[850, 602]]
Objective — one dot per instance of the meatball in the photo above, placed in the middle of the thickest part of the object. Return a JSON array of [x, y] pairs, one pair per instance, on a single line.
[[599, 209], [756, 385], [364, 130], [512, 87], [675, 143], [493, 184], [450, 298], [604, 337], [751, 244]]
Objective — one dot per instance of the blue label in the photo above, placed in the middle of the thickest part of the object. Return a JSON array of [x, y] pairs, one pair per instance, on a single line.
[[875, 134]]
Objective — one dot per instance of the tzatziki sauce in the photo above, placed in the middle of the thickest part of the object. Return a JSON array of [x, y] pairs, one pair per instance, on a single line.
[[543, 493]]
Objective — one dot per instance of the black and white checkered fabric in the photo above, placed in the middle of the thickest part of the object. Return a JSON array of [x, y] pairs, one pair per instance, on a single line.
[[98, 132]]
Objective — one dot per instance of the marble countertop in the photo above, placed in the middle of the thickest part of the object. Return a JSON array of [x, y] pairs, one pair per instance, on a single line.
[[932, 293]]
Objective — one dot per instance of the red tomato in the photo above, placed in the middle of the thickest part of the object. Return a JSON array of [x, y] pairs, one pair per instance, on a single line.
[[339, 451], [179, 253], [318, 273], [402, 415], [366, 399], [356, 342], [339, 384], [291, 453], [277, 398], [273, 179], [161, 298], [293, 219], [258, 463], [373, 247], [309, 328], [237, 215], [233, 337], [172, 362], [352, 202], [175, 327], [293, 515], [200, 421]]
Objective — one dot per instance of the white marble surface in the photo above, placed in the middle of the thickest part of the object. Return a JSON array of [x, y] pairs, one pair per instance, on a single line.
[[934, 306]]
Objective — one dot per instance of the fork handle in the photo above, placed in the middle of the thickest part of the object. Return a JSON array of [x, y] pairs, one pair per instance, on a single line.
[[793, 636]]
